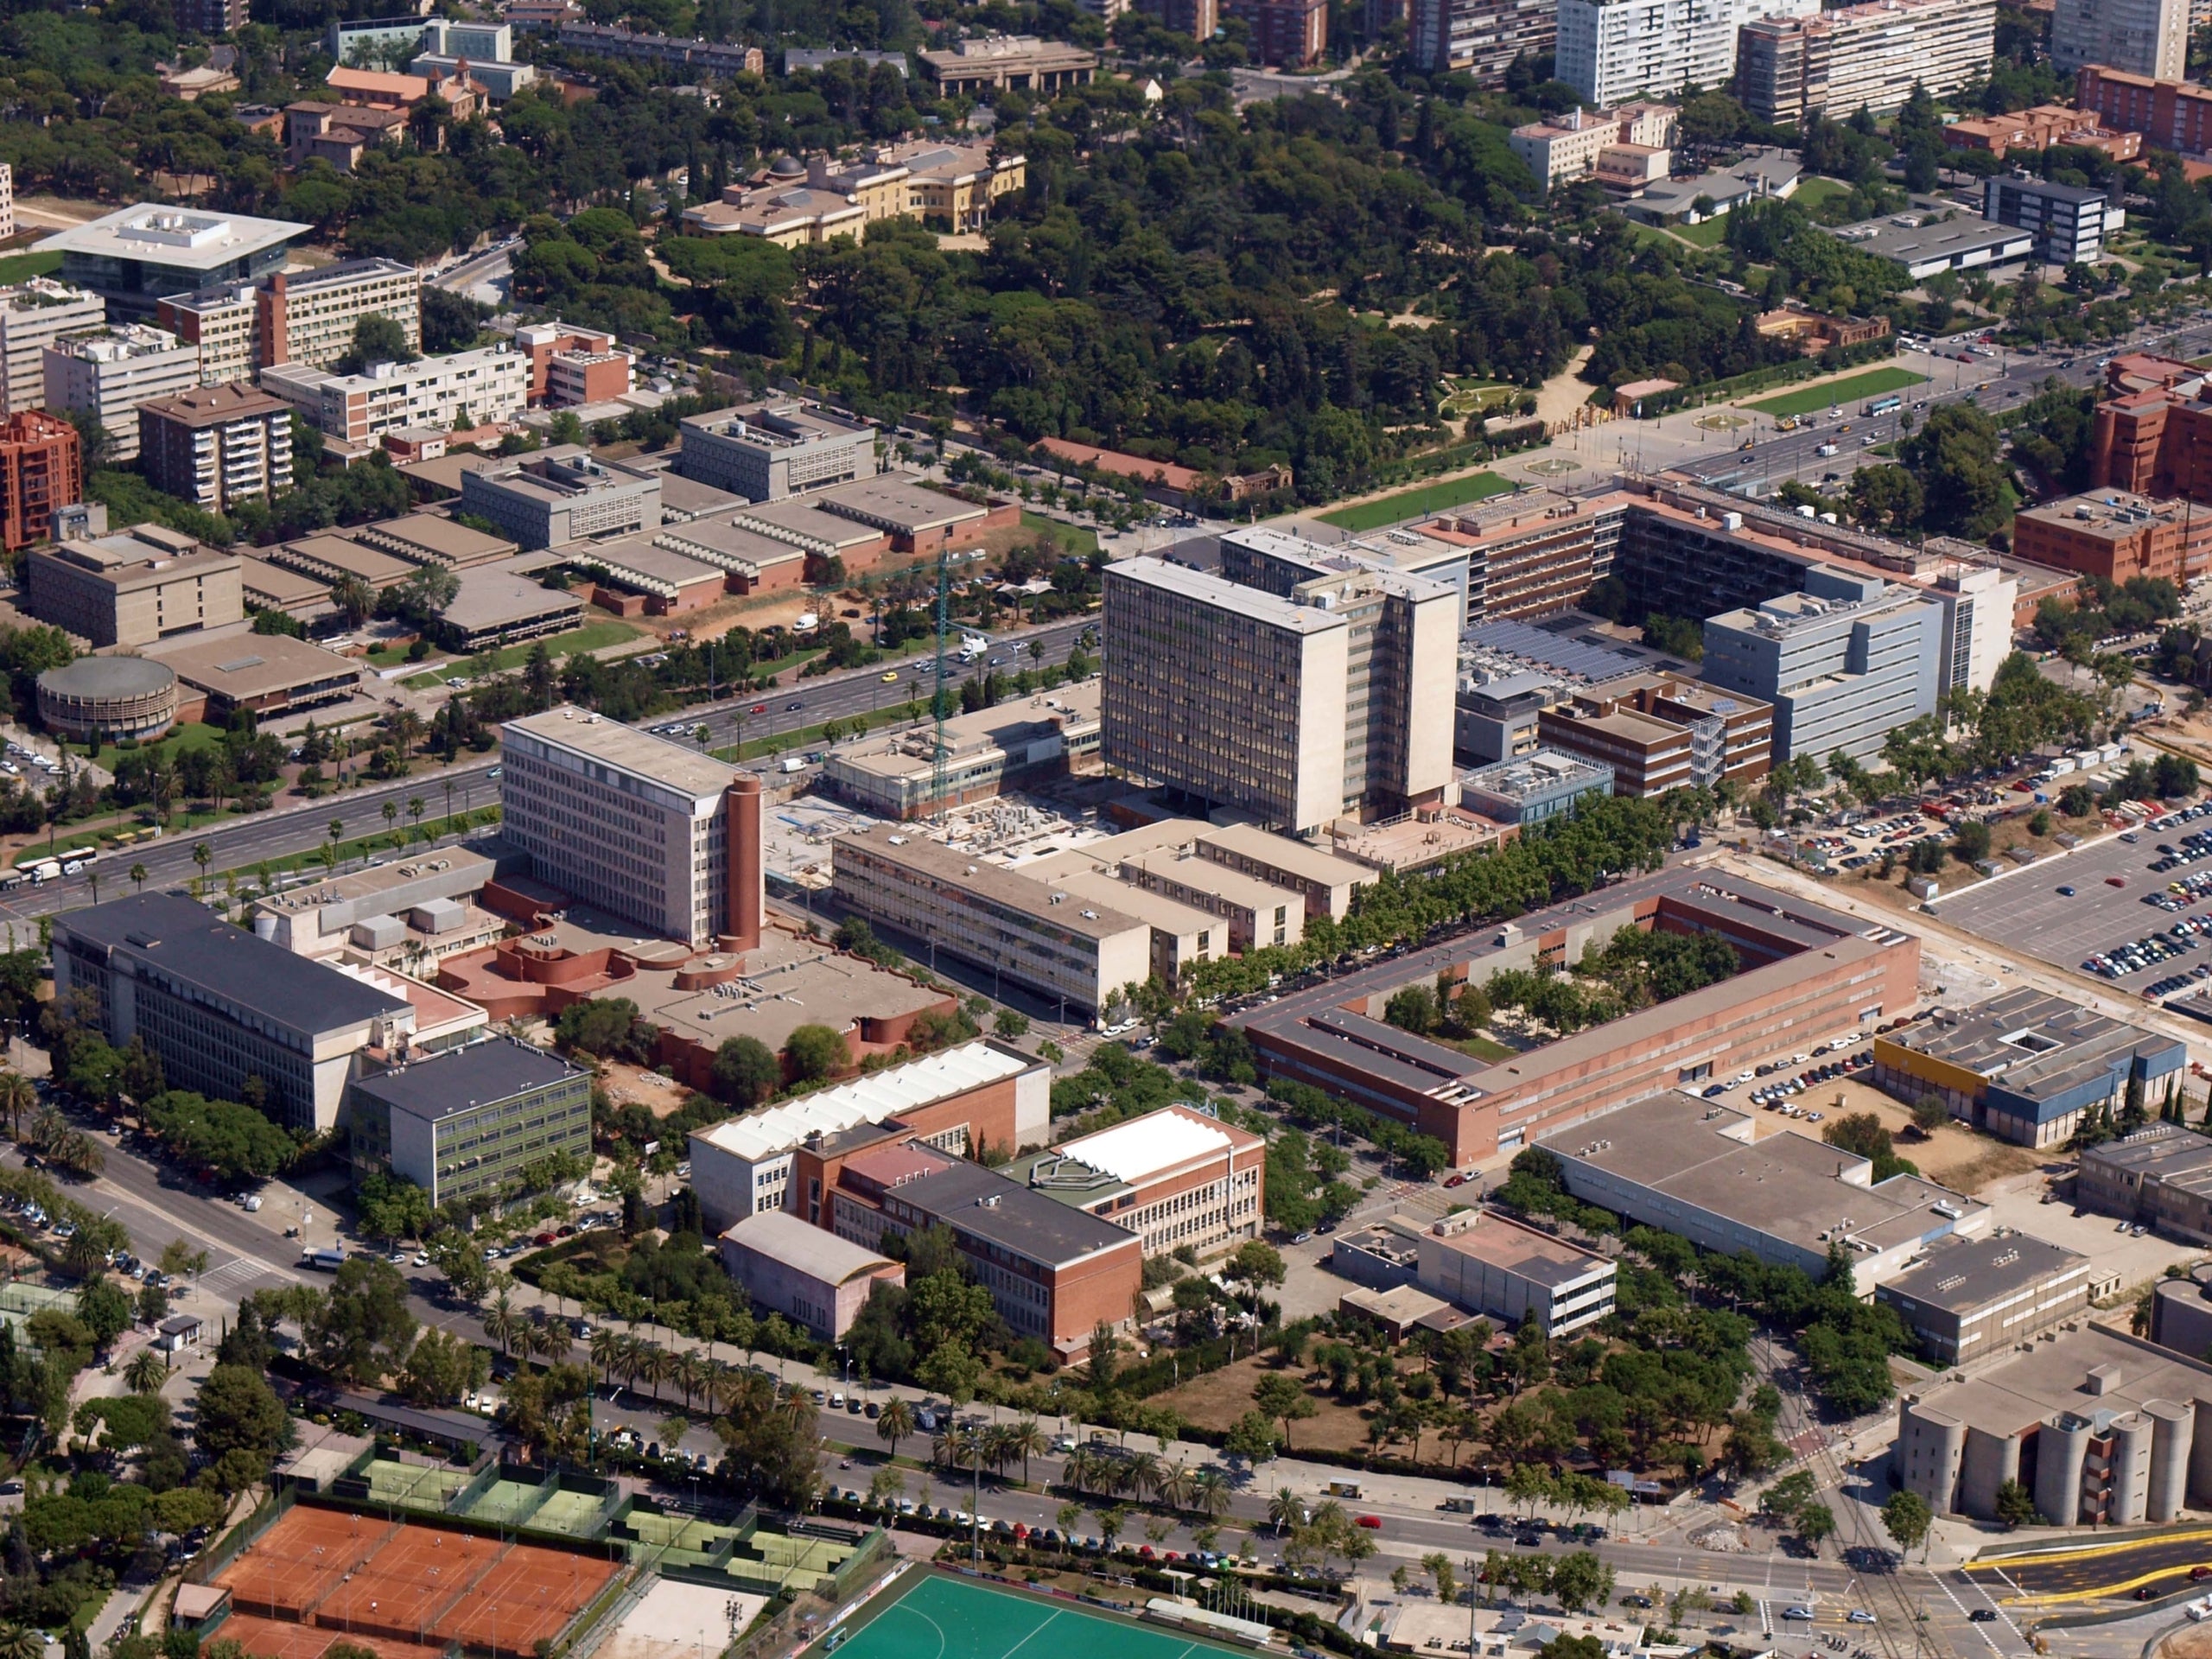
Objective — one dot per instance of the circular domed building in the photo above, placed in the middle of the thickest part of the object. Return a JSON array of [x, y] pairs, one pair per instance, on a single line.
[[114, 697], [786, 168]]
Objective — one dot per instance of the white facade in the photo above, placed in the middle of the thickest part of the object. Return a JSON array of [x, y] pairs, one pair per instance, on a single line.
[[1558, 151], [33, 315], [112, 373], [487, 386], [6, 200], [1610, 50], [625, 822], [2143, 37]]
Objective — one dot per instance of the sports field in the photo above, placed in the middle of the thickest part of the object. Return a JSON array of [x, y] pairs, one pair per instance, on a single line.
[[1843, 394], [941, 1618], [1414, 503]]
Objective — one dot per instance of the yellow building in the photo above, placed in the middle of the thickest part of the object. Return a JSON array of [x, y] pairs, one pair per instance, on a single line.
[[792, 205]]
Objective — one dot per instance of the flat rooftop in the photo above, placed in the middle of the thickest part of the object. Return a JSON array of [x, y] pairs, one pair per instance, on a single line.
[[987, 1205], [250, 665], [933, 861], [875, 1098], [1218, 593], [463, 870], [714, 541], [2108, 514], [188, 237], [343, 554], [655, 759], [433, 537], [1500, 1241], [901, 505], [1545, 773], [1785, 1185], [1009, 727], [636, 560], [273, 585], [489, 598], [186, 940], [1960, 1274], [2164, 1152], [802, 515], [461, 1079], [1300, 860], [1922, 236], [1145, 1149], [2027, 1388], [2036, 1045]]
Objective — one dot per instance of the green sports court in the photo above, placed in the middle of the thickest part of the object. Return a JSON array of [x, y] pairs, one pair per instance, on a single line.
[[940, 1617]]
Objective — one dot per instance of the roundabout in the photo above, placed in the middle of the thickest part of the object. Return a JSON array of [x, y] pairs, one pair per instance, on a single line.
[[1553, 467]]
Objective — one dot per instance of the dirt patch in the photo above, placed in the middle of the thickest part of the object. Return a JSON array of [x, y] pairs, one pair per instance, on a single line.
[[1559, 397], [2191, 1642], [628, 1084], [1953, 1156]]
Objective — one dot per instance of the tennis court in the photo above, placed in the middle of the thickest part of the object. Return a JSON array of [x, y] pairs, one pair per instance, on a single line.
[[942, 1617], [504, 1502], [400, 1591], [293, 1565], [578, 1514], [527, 1595], [413, 1485], [268, 1638]]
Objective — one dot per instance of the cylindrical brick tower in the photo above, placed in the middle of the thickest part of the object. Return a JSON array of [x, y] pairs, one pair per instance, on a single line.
[[748, 890]]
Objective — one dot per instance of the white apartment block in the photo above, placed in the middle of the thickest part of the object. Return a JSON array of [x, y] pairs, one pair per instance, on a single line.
[[33, 315], [1295, 685], [1611, 50], [1558, 152], [112, 372], [6, 200], [489, 384], [306, 319], [625, 822], [2143, 37], [1862, 56]]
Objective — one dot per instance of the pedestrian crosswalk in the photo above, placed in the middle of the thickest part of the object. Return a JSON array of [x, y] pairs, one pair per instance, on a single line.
[[238, 1275]]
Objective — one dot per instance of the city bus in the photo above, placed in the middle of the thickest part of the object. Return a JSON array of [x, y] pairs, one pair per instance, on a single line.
[[1882, 406]]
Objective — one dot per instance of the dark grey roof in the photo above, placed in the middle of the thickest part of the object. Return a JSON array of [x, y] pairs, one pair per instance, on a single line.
[[986, 1204], [463, 1078], [188, 943], [1960, 1274]]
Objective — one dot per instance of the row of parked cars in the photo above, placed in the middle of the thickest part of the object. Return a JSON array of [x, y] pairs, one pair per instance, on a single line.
[[2149, 950]]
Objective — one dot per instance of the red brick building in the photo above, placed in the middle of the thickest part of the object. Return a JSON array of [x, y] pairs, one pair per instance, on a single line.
[[2117, 535], [2169, 114], [570, 365], [1286, 34], [42, 467], [1055, 1272], [2155, 438], [1175, 1178]]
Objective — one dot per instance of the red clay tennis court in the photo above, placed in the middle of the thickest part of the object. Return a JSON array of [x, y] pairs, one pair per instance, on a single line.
[[402, 1588], [272, 1638], [529, 1593], [294, 1565]]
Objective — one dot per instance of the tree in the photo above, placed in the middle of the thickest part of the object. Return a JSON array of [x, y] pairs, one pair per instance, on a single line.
[[363, 1330], [896, 1423], [376, 339], [1906, 1518], [745, 1071], [1929, 1113], [1284, 1400], [1579, 1579], [816, 1052], [2016, 1504], [236, 1413], [147, 1369], [1815, 1523]]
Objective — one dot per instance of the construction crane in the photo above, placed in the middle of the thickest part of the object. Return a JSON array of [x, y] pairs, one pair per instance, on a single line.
[[939, 782]]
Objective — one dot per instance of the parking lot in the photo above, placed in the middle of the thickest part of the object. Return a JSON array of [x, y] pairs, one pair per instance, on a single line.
[[2030, 911]]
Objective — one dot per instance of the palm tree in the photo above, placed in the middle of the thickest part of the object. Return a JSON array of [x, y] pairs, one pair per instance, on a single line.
[[606, 1350], [1024, 1440], [17, 1642], [1173, 1483], [416, 808], [657, 1367], [337, 834], [1140, 1475], [138, 876], [201, 854], [1285, 1510], [689, 1375], [147, 1369], [896, 1423], [1081, 1467], [390, 813], [17, 1096], [552, 1339], [501, 1323], [1210, 1493]]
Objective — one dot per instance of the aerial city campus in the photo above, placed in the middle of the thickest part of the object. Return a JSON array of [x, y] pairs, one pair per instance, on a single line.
[[1363, 707]]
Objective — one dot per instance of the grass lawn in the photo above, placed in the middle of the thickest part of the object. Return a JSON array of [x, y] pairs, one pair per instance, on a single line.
[[1811, 193], [1707, 235], [1483, 1048], [1812, 399], [593, 636], [1411, 504], [193, 735], [1078, 539], [14, 267]]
